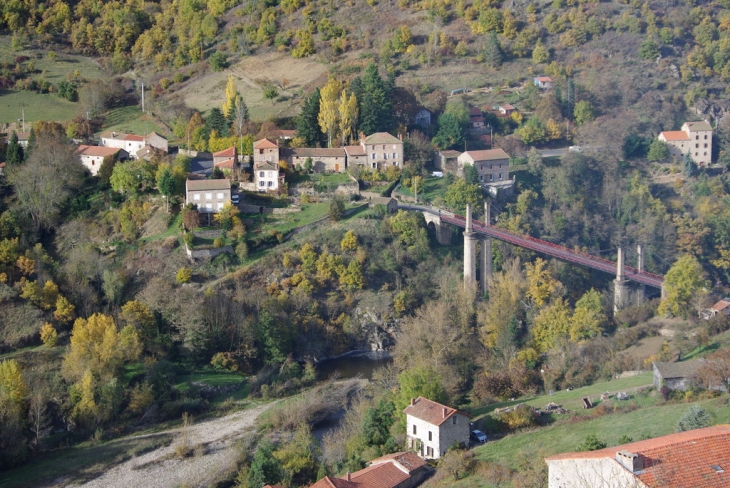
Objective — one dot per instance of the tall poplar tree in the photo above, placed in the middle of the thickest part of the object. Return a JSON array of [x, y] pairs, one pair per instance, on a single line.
[[348, 116], [328, 105]]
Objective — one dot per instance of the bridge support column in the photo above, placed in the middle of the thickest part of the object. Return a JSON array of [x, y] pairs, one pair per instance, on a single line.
[[641, 290], [470, 255], [486, 252], [621, 288]]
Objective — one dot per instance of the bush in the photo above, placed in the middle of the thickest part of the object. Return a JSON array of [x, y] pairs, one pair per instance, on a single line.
[[591, 443], [184, 275], [178, 77], [694, 418], [219, 242], [165, 83], [519, 418], [218, 61], [242, 251], [49, 336], [337, 209], [224, 361]]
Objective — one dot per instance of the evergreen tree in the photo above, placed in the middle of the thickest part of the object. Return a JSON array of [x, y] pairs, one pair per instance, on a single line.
[[375, 107], [308, 122], [31, 141], [14, 152], [265, 467], [694, 418], [568, 98], [450, 134], [689, 167], [166, 185], [493, 51], [217, 121]]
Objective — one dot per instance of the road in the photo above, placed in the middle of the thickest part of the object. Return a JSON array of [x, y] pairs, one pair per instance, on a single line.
[[551, 153]]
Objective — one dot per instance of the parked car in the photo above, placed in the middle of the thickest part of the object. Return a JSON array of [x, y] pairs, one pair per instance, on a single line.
[[234, 199], [478, 436]]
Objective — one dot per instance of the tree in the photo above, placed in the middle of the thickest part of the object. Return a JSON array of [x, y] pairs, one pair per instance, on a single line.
[[419, 381], [107, 169], [450, 134], [552, 324], [297, 458], [658, 151], [124, 178], [166, 185], [348, 111], [265, 468], [337, 209], [270, 93], [694, 418], [375, 105], [184, 275], [12, 385], [49, 336], [541, 284], [682, 282], [191, 217], [328, 109], [353, 278], [308, 121], [51, 175], [305, 46], [64, 312], [583, 112], [689, 167], [113, 285], [540, 54], [492, 53], [649, 50], [232, 96], [216, 121], [591, 443], [349, 241], [14, 152], [460, 193], [218, 61], [532, 132]]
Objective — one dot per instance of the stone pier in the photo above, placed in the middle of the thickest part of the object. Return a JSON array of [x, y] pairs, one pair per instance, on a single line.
[[621, 288], [470, 255], [641, 289], [486, 252]]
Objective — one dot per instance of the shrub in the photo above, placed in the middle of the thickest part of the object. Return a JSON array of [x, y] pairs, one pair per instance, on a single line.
[[219, 242], [242, 250], [591, 443], [224, 361], [519, 418], [178, 77], [218, 61], [694, 418], [184, 275], [165, 83], [458, 463], [49, 336]]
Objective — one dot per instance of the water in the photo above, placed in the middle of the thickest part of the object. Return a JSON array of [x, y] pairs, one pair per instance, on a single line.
[[359, 364]]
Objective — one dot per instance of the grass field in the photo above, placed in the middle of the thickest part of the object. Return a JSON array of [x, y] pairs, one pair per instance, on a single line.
[[131, 120], [431, 189], [185, 383], [36, 106]]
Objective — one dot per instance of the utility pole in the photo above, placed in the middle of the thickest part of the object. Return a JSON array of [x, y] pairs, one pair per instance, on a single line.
[[143, 97]]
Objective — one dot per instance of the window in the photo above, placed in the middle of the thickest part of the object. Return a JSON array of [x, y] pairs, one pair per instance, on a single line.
[[385, 156], [696, 146], [697, 136], [500, 176], [430, 436], [373, 156], [705, 136], [481, 177], [453, 420], [220, 195], [261, 183], [209, 196], [414, 429], [271, 183], [396, 147], [395, 155], [491, 177], [261, 174], [209, 206], [383, 147], [705, 144], [705, 153], [196, 196]]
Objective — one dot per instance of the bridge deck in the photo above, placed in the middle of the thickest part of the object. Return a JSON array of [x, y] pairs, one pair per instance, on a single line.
[[544, 247]]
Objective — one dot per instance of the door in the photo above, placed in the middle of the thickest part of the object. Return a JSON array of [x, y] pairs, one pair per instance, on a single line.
[[337, 167]]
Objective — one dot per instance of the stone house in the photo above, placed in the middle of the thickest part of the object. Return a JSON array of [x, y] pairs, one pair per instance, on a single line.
[[447, 160], [382, 150], [676, 376], [693, 459], [267, 177], [324, 160], [209, 195], [22, 138], [129, 142], [476, 118], [721, 307], [93, 156], [694, 138], [225, 155], [506, 109], [433, 428], [157, 141], [543, 82], [356, 156], [398, 470], [391, 204], [492, 165], [265, 151]]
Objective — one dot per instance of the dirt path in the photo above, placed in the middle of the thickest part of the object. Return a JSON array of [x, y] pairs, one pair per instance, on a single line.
[[161, 468]]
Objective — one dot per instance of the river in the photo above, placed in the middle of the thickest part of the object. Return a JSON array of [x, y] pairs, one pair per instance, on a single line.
[[360, 364]]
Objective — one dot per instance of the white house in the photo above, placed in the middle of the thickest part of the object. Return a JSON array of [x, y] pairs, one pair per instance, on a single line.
[[129, 142], [93, 156], [209, 195], [433, 428], [543, 82], [267, 177]]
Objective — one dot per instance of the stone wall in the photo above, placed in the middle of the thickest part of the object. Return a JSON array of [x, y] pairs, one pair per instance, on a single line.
[[207, 253]]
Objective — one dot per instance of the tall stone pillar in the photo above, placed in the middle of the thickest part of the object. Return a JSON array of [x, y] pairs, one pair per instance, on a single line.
[[470, 255], [641, 290], [486, 251], [621, 285]]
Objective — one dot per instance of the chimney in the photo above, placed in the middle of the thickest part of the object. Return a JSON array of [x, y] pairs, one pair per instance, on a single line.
[[114, 134], [413, 401], [349, 476], [445, 410], [400, 136], [630, 461]]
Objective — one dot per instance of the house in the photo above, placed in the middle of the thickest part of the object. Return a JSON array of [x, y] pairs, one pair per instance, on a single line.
[[93, 156], [356, 156], [22, 138], [267, 177], [265, 151], [492, 165], [476, 118], [324, 160], [543, 82], [225, 154], [382, 150], [209, 195], [423, 118], [398, 470], [447, 160], [391, 204], [694, 138], [433, 428], [156, 141], [286, 134], [721, 307], [698, 458], [506, 109], [227, 165], [676, 376], [129, 142]]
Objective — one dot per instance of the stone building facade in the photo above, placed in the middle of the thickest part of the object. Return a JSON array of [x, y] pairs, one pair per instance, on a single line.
[[324, 160], [209, 195], [694, 138], [432, 428]]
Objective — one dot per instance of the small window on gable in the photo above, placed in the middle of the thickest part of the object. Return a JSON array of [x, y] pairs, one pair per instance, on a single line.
[[414, 429], [453, 420], [430, 435]]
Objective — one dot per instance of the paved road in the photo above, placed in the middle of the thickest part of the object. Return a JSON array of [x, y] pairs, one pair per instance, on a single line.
[[550, 153]]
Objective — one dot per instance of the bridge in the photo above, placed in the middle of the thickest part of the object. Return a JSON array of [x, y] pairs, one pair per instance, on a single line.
[[475, 230]]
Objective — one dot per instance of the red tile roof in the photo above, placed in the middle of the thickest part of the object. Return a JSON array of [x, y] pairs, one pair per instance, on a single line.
[[265, 144], [354, 150], [432, 412], [408, 460], [507, 106], [132, 137], [330, 482], [488, 154], [544, 79], [721, 305], [225, 153], [675, 135], [385, 472], [225, 164], [99, 151], [684, 460], [384, 475], [473, 111]]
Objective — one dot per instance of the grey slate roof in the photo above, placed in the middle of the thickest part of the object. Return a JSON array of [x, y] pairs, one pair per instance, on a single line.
[[682, 369]]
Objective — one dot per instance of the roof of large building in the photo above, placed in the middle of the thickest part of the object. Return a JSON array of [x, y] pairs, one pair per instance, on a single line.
[[330, 482], [384, 472], [155, 134], [487, 154], [223, 184], [382, 138], [225, 164], [683, 369], [700, 125], [286, 133], [120, 136], [265, 144], [408, 460], [22, 136], [721, 305], [97, 151], [697, 458], [429, 411], [354, 150], [315, 152], [225, 153], [675, 135]]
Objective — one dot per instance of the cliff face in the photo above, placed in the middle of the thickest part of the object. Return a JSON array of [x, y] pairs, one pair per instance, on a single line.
[[376, 333]]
